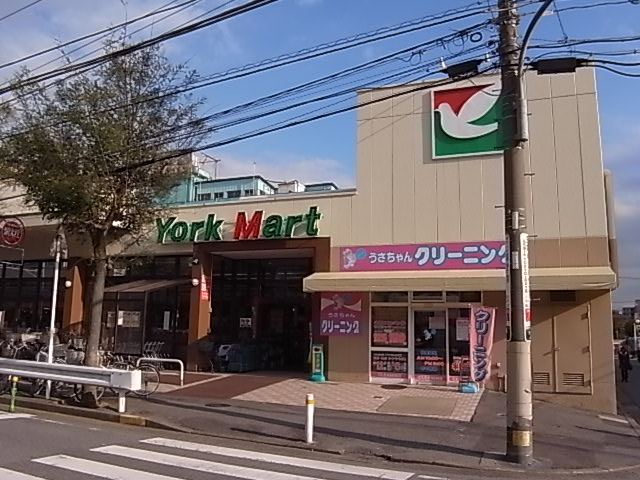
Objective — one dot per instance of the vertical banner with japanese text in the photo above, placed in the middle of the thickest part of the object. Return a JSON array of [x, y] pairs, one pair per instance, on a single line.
[[481, 342], [340, 313], [204, 288]]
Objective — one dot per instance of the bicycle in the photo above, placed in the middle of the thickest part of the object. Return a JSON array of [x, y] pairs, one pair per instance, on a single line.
[[150, 374]]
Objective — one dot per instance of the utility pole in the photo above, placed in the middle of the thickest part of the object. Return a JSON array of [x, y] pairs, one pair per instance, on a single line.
[[519, 394]]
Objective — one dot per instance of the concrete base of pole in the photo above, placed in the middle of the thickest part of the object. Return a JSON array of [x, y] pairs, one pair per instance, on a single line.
[[519, 403]]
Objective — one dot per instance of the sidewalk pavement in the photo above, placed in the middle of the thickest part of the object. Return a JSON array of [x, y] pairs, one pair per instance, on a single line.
[[564, 438], [629, 394]]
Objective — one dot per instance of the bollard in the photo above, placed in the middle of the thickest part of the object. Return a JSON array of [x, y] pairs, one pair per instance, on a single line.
[[310, 402], [122, 401], [14, 392]]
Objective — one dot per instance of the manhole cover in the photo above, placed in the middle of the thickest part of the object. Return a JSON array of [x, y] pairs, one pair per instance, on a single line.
[[217, 405], [393, 387]]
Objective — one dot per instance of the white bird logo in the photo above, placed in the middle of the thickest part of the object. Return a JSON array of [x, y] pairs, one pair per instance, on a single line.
[[460, 126]]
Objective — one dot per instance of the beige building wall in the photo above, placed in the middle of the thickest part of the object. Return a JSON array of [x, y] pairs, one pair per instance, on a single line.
[[422, 199], [405, 196]]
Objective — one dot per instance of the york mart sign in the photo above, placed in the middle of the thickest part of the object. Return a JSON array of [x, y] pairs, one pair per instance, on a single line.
[[245, 227]]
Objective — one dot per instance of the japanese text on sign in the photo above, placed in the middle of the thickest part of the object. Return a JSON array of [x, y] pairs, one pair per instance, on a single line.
[[344, 327], [388, 364], [481, 342], [437, 256], [340, 313]]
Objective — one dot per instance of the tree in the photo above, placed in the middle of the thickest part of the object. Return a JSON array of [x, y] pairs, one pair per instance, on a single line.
[[76, 148]]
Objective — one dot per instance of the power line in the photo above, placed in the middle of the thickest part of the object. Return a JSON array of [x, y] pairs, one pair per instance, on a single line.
[[564, 32], [335, 46], [586, 41], [80, 47], [163, 9], [232, 12], [388, 78], [218, 78], [267, 130], [19, 10], [618, 72], [272, 129]]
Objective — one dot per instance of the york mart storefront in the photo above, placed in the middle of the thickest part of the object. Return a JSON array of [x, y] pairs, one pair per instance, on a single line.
[[386, 276]]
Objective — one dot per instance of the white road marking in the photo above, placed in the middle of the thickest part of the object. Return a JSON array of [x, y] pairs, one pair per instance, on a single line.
[[428, 477], [12, 416], [281, 459], [199, 465], [102, 470], [613, 419], [11, 475]]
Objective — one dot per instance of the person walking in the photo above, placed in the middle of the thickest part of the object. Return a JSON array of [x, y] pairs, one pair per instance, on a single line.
[[624, 362]]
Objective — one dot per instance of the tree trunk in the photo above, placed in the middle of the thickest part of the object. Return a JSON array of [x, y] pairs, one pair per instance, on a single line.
[[92, 358]]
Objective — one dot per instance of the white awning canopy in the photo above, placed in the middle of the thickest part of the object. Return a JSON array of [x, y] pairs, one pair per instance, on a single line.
[[569, 278]]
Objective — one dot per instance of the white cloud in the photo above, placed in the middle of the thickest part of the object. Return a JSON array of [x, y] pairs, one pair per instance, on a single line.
[[48, 24], [283, 167], [622, 158]]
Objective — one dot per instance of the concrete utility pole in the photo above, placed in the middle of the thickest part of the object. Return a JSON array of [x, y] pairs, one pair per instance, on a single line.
[[519, 394]]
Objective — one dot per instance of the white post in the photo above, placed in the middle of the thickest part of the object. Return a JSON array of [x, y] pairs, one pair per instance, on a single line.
[[54, 306], [636, 323], [310, 402], [122, 401]]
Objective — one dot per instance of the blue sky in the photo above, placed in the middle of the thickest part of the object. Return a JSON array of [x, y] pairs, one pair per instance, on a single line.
[[325, 150]]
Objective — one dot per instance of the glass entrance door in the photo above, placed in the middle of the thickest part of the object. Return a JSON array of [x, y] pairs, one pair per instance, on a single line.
[[458, 323], [430, 345]]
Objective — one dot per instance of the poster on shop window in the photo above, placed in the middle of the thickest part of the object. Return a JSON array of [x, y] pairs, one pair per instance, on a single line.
[[481, 342], [340, 313]]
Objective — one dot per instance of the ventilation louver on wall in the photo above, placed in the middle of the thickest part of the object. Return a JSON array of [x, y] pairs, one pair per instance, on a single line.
[[573, 379], [541, 378]]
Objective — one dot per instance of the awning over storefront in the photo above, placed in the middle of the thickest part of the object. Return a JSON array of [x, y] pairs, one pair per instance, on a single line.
[[144, 286], [576, 278]]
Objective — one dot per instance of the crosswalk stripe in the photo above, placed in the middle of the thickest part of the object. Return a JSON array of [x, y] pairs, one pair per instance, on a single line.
[[281, 459], [11, 475], [12, 416], [199, 465], [97, 469]]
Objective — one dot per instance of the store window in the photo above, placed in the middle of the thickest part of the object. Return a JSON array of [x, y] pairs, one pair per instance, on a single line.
[[389, 364], [12, 270], [389, 327], [458, 341], [464, 297], [201, 197], [234, 193], [430, 344], [428, 296], [389, 297], [390, 339]]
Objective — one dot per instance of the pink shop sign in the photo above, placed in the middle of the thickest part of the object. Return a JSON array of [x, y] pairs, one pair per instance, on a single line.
[[423, 256], [340, 313]]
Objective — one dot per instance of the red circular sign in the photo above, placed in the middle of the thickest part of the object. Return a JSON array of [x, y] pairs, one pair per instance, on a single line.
[[11, 231]]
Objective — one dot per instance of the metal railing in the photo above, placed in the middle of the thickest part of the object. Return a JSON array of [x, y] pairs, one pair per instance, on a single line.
[[116, 379], [153, 360]]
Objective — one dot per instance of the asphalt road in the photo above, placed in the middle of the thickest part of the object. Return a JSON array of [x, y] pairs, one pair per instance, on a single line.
[[41, 446]]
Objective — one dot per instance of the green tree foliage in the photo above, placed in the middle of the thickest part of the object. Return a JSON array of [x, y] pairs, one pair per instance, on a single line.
[[75, 148]]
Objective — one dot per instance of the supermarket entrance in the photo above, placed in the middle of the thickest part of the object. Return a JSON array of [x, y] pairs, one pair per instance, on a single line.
[[259, 311]]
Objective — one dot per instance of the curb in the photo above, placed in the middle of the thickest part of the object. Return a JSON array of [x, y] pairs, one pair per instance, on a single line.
[[94, 414], [145, 422]]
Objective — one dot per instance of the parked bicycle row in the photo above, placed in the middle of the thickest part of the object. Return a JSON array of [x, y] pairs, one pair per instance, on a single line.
[[36, 349]]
